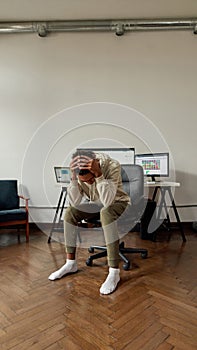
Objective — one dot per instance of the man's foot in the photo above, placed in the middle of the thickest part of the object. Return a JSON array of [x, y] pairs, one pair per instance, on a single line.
[[111, 281], [69, 267]]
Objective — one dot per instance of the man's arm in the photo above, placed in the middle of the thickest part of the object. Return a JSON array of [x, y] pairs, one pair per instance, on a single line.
[[74, 194], [106, 186], [73, 190]]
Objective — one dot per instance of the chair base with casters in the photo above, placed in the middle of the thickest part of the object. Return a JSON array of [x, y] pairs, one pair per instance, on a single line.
[[122, 250]]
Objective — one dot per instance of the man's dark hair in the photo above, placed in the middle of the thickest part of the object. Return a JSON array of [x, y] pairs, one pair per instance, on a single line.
[[84, 152]]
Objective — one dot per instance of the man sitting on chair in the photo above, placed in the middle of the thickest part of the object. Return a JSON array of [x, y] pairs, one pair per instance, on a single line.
[[98, 178]]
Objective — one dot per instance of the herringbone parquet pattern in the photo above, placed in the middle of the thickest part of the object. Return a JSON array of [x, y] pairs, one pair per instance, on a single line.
[[154, 306]]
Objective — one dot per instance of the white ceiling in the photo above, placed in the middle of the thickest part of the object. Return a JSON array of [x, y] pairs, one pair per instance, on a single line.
[[18, 10]]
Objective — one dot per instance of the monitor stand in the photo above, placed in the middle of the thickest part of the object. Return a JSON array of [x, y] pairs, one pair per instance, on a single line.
[[153, 179]]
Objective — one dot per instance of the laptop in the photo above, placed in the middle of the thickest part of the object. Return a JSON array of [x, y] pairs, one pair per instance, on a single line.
[[62, 174]]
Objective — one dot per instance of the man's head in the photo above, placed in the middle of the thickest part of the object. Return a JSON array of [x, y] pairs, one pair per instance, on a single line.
[[84, 175]]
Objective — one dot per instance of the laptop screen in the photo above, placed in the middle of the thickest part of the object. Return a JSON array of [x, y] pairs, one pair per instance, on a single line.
[[62, 174]]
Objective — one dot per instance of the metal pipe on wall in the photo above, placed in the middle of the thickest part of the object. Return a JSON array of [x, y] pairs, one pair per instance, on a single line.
[[118, 26]]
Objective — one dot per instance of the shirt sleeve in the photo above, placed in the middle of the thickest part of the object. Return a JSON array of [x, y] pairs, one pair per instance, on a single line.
[[107, 186], [74, 193]]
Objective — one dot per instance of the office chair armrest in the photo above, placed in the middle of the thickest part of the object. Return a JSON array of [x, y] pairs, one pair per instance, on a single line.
[[26, 201]]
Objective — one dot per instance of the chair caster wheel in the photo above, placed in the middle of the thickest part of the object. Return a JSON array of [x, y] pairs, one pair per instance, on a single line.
[[91, 250], [144, 255], [126, 266], [89, 262]]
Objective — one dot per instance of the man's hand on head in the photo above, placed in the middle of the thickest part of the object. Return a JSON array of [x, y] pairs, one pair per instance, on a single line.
[[74, 167], [84, 162], [95, 168], [79, 162], [92, 165]]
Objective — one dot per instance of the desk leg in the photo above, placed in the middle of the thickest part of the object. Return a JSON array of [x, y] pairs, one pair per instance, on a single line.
[[63, 192], [59, 210], [154, 193], [162, 204], [166, 211], [177, 215], [63, 204]]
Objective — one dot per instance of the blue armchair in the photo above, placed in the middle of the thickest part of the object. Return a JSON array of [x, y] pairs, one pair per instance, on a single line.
[[11, 214]]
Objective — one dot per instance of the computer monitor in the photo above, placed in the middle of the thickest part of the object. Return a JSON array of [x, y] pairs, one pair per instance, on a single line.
[[124, 155], [154, 164], [62, 174]]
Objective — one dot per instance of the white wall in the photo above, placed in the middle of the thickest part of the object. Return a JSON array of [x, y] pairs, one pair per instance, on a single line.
[[152, 73]]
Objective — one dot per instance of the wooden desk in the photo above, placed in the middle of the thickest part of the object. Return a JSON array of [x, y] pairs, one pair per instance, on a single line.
[[165, 188]]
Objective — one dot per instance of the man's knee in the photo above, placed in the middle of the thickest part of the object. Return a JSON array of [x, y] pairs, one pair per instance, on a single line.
[[106, 210], [112, 212], [107, 214], [67, 213], [70, 214]]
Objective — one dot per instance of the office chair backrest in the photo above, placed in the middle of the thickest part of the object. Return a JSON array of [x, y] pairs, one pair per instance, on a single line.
[[8, 195], [133, 181]]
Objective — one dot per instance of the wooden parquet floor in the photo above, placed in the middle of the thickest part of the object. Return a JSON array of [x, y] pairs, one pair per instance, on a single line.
[[154, 306]]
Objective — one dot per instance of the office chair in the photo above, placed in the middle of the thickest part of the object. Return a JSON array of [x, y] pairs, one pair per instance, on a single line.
[[11, 214], [133, 184]]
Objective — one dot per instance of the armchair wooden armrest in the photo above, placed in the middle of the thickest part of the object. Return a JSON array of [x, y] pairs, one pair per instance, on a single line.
[[26, 201]]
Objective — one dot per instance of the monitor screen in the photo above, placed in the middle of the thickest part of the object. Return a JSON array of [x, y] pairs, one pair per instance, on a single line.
[[62, 174], [122, 155], [154, 164]]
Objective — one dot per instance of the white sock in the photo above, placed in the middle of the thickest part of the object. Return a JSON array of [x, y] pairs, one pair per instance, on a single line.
[[111, 281], [69, 267]]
